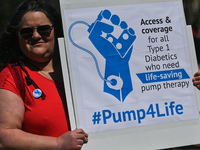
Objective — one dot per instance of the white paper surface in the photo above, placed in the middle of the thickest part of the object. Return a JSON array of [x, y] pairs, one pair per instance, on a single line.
[[160, 45], [171, 115]]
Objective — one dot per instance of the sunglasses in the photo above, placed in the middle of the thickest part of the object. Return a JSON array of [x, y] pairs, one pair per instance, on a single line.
[[43, 30]]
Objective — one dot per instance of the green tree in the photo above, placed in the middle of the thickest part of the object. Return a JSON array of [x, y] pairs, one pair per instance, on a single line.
[[8, 7]]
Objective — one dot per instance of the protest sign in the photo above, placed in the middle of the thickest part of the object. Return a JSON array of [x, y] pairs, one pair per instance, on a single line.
[[130, 72]]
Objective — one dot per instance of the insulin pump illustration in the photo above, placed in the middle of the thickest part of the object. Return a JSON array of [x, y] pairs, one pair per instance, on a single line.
[[115, 47]]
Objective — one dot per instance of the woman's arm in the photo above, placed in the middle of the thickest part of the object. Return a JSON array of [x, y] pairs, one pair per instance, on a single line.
[[12, 137]]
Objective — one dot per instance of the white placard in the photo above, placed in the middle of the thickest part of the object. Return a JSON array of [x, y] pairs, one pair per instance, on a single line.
[[130, 71]]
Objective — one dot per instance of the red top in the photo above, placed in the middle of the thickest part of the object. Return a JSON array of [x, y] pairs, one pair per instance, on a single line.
[[42, 116]]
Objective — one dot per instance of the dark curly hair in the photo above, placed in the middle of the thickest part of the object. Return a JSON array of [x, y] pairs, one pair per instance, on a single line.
[[9, 45]]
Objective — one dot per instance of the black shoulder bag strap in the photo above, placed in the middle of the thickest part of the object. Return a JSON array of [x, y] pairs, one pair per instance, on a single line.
[[16, 71]]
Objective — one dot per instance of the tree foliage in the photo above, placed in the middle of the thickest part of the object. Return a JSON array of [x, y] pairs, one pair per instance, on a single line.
[[7, 8]]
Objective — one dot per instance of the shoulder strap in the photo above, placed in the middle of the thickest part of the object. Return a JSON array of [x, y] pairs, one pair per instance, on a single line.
[[18, 78]]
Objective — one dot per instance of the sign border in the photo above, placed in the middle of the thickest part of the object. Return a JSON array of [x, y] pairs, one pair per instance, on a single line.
[[146, 137]]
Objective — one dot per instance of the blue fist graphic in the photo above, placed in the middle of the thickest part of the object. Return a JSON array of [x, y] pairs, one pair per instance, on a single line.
[[116, 48]]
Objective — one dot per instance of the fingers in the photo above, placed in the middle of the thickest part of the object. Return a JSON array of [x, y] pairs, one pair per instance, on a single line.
[[72, 140], [197, 73], [82, 135], [106, 14], [196, 79], [115, 20]]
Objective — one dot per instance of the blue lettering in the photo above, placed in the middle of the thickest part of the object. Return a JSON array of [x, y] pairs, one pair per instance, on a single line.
[[179, 109], [151, 111], [119, 118], [166, 109], [158, 111], [171, 106], [129, 115], [105, 117], [141, 115]]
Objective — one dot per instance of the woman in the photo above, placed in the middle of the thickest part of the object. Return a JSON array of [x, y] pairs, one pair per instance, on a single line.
[[38, 119]]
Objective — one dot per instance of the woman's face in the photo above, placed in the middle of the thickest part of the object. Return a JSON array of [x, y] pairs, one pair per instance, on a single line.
[[37, 48]]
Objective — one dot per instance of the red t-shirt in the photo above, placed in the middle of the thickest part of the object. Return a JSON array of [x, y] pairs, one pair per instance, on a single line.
[[46, 116]]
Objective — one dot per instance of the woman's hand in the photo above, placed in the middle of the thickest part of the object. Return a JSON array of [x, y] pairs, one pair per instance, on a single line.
[[196, 79], [72, 140]]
